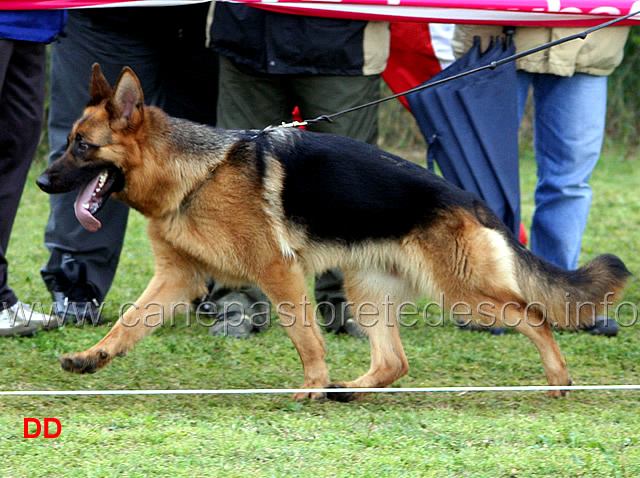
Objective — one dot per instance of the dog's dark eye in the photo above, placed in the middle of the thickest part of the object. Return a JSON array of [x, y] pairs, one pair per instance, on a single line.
[[81, 146]]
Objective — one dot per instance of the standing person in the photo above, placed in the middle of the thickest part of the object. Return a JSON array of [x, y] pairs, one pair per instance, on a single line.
[[569, 83], [23, 35], [271, 63], [165, 46]]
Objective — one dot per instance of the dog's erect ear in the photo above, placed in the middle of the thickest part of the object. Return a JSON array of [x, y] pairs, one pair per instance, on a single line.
[[99, 88], [127, 101]]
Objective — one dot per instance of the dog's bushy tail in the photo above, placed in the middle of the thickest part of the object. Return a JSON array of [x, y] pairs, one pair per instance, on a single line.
[[571, 299]]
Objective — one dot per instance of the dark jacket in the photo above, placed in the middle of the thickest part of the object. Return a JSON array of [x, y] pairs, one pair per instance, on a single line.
[[32, 25], [160, 25], [278, 43]]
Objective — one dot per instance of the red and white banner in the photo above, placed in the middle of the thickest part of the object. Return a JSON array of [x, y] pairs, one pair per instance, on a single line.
[[580, 13], [54, 4]]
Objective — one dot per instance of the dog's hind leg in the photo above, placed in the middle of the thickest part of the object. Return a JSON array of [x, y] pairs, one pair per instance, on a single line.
[[539, 331], [375, 297], [285, 285]]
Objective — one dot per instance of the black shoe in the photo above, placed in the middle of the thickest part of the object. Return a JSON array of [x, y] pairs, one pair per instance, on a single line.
[[603, 326], [75, 299], [77, 308], [234, 324], [238, 313], [338, 319]]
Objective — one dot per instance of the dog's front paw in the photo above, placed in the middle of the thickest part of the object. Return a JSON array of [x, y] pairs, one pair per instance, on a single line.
[[84, 362], [314, 396]]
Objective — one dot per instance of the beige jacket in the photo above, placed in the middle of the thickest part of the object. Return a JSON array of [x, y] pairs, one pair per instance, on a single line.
[[599, 54]]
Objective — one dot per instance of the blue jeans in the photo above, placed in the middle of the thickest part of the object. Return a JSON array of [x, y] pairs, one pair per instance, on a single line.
[[569, 123]]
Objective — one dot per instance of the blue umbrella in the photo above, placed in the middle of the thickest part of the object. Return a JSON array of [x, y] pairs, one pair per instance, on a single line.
[[471, 127]]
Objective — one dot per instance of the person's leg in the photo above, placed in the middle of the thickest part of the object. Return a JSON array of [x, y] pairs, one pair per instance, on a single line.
[[21, 113], [569, 128], [82, 263], [248, 100], [325, 94], [22, 86]]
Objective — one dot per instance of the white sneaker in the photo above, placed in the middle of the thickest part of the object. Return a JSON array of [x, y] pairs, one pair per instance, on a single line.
[[11, 325], [20, 319]]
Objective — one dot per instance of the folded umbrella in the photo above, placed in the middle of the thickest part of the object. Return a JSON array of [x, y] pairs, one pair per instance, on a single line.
[[471, 127]]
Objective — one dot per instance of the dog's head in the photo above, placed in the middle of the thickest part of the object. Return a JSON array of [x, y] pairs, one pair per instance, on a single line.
[[94, 160]]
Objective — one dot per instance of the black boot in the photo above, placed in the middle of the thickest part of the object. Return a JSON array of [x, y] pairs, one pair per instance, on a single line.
[[75, 299]]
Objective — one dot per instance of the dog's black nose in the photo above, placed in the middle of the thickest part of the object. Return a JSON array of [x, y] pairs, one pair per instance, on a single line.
[[43, 182]]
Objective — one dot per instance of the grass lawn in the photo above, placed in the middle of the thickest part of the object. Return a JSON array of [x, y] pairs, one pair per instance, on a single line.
[[488, 434]]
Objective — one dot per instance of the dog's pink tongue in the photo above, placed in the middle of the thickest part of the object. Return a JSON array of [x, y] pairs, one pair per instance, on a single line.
[[88, 221]]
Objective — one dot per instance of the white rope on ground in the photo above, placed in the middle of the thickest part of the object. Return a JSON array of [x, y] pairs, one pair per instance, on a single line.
[[255, 391]]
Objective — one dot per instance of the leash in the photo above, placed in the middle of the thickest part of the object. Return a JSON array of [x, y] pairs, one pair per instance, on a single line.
[[493, 65]]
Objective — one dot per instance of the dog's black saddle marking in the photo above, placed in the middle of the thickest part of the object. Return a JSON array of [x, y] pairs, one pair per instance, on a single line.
[[345, 190]]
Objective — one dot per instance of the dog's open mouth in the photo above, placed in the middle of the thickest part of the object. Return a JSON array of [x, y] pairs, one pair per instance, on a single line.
[[92, 197]]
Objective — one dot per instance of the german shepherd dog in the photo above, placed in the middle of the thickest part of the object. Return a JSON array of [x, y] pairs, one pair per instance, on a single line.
[[270, 207]]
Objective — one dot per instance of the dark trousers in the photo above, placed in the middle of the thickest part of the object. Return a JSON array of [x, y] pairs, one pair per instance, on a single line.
[[249, 99], [22, 86], [166, 50]]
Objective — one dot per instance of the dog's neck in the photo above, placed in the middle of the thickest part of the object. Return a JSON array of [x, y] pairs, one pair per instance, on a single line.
[[190, 152]]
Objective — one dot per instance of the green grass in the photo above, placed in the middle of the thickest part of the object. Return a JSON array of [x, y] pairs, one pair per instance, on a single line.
[[439, 434]]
